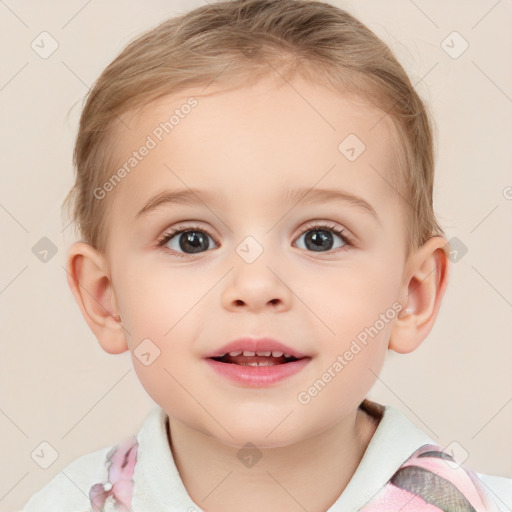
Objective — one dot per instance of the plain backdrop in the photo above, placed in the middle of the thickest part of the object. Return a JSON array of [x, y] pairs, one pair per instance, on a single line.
[[56, 383]]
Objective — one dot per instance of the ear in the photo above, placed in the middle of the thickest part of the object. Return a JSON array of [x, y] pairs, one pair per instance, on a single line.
[[89, 279], [423, 287]]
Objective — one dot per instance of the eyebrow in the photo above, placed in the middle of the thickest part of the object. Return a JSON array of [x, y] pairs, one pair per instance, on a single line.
[[183, 196], [302, 195], [326, 194]]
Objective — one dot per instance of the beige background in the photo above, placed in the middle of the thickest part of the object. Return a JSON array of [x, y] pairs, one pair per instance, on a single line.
[[56, 383]]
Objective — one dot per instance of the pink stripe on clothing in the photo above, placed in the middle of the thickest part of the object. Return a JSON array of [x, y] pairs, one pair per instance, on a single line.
[[393, 499], [433, 483], [122, 459]]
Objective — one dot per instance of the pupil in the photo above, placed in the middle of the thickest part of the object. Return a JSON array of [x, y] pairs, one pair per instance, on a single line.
[[321, 239], [193, 240]]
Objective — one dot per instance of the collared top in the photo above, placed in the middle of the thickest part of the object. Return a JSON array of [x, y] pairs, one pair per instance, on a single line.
[[401, 469]]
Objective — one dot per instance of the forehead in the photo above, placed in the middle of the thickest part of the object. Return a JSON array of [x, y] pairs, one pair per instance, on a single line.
[[255, 142]]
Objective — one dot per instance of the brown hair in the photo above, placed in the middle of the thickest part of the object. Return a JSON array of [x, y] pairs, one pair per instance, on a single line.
[[232, 42]]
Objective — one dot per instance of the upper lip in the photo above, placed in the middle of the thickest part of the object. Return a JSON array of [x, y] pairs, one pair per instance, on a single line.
[[251, 344]]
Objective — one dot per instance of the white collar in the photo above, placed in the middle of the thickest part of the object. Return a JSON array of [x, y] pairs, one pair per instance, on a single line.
[[394, 441], [158, 485]]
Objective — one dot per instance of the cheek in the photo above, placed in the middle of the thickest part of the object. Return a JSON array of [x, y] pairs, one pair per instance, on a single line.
[[355, 297], [357, 305], [162, 313], [156, 303], [162, 356]]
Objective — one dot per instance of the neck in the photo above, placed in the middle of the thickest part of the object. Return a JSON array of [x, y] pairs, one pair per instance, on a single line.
[[308, 475]]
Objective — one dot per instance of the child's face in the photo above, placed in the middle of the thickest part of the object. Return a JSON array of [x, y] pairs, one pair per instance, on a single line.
[[248, 149]]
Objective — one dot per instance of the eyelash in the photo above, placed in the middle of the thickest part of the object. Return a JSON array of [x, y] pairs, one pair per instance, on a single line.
[[347, 240]]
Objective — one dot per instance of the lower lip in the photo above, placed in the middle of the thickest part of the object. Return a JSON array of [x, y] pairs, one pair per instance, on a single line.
[[258, 376]]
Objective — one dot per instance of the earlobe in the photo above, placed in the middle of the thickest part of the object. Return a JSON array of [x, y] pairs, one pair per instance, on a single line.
[[425, 282], [91, 285]]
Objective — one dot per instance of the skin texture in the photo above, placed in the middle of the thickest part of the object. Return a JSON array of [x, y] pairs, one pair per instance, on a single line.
[[251, 144]]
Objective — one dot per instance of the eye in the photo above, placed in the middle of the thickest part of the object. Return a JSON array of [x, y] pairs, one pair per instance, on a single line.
[[189, 239], [319, 237]]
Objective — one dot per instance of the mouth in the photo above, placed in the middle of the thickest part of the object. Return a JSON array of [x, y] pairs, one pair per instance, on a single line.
[[256, 369], [259, 358], [257, 362], [251, 351]]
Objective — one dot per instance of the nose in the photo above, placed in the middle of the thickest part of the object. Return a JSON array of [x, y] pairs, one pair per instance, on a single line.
[[256, 285]]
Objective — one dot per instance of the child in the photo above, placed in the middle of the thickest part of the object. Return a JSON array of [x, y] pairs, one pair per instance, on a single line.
[[254, 192]]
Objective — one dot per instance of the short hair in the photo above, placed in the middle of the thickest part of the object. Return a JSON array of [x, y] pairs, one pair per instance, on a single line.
[[234, 43]]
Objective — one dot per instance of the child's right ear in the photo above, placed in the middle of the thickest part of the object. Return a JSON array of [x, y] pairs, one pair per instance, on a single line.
[[89, 280]]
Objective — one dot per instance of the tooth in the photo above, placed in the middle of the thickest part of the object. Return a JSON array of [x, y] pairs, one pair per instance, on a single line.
[[263, 363], [246, 353], [266, 353], [287, 355], [234, 354], [276, 354]]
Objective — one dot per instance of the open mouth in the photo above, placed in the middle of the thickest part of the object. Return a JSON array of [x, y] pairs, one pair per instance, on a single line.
[[257, 368], [246, 358]]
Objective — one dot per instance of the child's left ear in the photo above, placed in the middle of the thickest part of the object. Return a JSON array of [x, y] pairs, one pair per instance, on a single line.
[[425, 281]]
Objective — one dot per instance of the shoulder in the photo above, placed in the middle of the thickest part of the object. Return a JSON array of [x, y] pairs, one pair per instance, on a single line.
[[68, 490], [85, 479], [431, 477], [500, 488], [404, 469]]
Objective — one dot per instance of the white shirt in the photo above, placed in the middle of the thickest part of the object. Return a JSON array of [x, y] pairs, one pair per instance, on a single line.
[[157, 485]]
